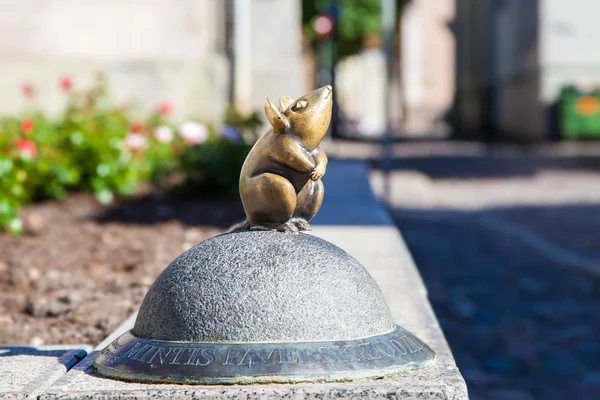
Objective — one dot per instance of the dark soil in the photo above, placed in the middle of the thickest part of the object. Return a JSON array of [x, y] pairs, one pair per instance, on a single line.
[[80, 268]]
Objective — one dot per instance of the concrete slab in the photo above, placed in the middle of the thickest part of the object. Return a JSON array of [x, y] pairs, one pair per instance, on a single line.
[[26, 372]]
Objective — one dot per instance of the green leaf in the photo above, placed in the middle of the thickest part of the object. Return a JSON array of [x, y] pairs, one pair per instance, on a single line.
[[15, 226]]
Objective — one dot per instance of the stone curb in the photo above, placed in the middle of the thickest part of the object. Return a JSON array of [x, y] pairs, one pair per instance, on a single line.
[[27, 372]]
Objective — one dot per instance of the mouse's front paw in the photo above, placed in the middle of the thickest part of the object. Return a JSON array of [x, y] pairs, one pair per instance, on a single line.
[[317, 173]]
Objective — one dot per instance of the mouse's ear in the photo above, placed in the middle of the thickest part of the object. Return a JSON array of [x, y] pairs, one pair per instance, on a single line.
[[284, 103], [277, 121]]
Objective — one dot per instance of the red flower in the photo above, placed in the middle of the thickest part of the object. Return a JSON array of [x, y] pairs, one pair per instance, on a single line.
[[28, 90], [26, 148], [165, 108], [66, 83], [27, 126], [137, 128]]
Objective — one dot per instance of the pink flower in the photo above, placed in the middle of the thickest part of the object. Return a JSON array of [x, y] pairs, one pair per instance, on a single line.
[[165, 108], [28, 90], [164, 134], [66, 83], [26, 148], [136, 141], [27, 126], [193, 133]]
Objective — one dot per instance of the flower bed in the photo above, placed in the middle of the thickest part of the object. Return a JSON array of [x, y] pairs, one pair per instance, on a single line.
[[109, 150]]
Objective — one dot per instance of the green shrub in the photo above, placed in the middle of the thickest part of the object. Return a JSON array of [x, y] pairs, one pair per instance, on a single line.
[[98, 147], [213, 167]]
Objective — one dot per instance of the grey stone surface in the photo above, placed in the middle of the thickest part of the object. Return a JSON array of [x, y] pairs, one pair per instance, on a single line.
[[261, 286], [25, 372]]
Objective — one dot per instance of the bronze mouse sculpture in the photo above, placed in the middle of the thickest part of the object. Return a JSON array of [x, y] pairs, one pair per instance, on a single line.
[[280, 181]]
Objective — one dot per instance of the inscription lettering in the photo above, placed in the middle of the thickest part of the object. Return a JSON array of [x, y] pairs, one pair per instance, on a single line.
[[412, 346], [209, 356], [284, 357], [151, 352], [232, 354], [385, 348], [343, 354], [109, 356], [116, 345], [193, 355], [308, 353], [159, 355], [137, 351], [177, 358], [371, 353], [262, 355], [399, 346], [106, 351], [327, 355], [249, 358], [162, 355]]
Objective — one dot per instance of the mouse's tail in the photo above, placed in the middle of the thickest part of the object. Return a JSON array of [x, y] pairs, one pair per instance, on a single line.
[[240, 226]]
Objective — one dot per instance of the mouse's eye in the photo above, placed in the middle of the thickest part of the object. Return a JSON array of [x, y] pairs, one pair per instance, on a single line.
[[299, 106]]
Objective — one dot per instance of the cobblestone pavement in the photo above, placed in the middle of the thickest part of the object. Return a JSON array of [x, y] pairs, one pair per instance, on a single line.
[[512, 265]]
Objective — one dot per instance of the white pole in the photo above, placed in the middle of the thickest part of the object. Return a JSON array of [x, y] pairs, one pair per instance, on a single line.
[[243, 54]]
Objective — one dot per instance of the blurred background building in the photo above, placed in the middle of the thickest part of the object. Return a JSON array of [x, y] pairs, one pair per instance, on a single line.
[[152, 51], [427, 57], [424, 81], [201, 55], [513, 58], [481, 69]]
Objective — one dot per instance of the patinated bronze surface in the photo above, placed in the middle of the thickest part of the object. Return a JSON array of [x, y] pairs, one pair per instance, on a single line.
[[136, 359], [280, 182]]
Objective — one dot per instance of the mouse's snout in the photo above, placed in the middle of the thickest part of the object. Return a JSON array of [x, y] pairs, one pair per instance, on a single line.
[[325, 91]]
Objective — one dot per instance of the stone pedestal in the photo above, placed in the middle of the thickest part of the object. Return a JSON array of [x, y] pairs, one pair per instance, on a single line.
[[263, 306]]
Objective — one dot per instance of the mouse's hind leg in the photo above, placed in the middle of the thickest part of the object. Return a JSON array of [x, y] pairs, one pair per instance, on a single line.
[[269, 201], [309, 202]]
